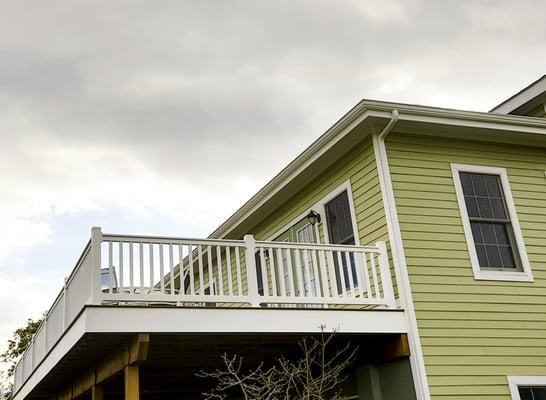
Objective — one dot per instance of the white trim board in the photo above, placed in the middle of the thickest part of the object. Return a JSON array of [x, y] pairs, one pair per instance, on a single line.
[[515, 381], [519, 276]]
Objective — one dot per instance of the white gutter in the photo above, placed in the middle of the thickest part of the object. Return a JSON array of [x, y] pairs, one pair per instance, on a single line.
[[399, 259]]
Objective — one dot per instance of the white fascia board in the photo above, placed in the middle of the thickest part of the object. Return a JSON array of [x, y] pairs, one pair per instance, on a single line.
[[522, 97], [129, 319]]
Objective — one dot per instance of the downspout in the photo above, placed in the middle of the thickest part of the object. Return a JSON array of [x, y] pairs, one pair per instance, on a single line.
[[399, 258]]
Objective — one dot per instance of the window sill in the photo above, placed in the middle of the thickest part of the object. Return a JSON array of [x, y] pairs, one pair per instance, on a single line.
[[503, 276]]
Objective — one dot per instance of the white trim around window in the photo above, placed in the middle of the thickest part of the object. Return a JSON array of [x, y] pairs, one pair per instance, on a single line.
[[320, 207], [514, 382], [525, 275]]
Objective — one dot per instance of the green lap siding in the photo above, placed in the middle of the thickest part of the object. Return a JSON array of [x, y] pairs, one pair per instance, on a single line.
[[474, 333]]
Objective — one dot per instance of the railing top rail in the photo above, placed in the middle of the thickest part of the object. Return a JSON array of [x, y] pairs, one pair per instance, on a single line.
[[170, 240], [315, 246]]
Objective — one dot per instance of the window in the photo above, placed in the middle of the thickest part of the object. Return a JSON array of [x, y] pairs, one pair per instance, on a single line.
[[340, 231], [527, 387], [338, 217], [493, 235]]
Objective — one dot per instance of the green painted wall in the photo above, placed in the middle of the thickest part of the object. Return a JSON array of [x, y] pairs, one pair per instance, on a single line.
[[474, 333]]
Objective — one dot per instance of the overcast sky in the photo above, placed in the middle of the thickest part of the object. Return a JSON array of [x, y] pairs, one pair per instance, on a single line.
[[162, 117]]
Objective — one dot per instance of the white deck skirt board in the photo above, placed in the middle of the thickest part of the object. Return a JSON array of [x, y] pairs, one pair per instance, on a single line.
[[240, 320], [129, 319]]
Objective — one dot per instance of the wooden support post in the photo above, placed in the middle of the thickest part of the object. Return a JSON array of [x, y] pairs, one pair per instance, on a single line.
[[132, 386], [97, 392]]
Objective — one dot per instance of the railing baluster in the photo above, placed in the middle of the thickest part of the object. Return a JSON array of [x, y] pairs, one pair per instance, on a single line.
[[220, 272], [181, 289], [299, 273], [358, 270], [201, 272], [329, 257], [228, 267], [350, 273], [281, 267], [273, 272], [131, 266], [161, 269], [141, 258], [211, 273], [190, 267], [152, 267], [120, 254], [263, 266], [171, 267], [323, 273], [374, 275], [341, 274], [111, 267], [238, 267], [316, 281], [291, 285], [307, 274], [367, 277]]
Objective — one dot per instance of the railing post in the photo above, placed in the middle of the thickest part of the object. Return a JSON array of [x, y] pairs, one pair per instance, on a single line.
[[385, 271], [251, 275], [96, 241]]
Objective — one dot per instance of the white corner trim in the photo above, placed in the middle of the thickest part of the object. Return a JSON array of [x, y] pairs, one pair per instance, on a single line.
[[417, 361], [518, 276], [515, 381]]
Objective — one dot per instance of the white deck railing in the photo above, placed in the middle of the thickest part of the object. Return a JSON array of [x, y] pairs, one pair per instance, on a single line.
[[120, 270]]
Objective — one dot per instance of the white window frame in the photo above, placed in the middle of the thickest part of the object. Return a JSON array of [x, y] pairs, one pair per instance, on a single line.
[[514, 382], [526, 274]]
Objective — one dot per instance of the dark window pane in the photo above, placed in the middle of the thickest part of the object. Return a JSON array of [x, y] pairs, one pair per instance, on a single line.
[[498, 209], [525, 394], [466, 182], [507, 257], [479, 185], [493, 187], [338, 218], [501, 234], [482, 256], [488, 233], [484, 207], [539, 393], [471, 206], [493, 256], [476, 232]]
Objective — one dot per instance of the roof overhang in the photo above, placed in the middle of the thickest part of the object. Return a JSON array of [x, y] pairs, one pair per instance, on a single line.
[[525, 100], [358, 123]]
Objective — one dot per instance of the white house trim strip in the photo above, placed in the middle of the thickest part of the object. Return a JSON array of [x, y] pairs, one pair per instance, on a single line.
[[523, 276], [516, 381], [399, 259], [127, 319]]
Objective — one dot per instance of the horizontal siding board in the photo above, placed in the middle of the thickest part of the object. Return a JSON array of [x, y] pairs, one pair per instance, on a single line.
[[474, 333]]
